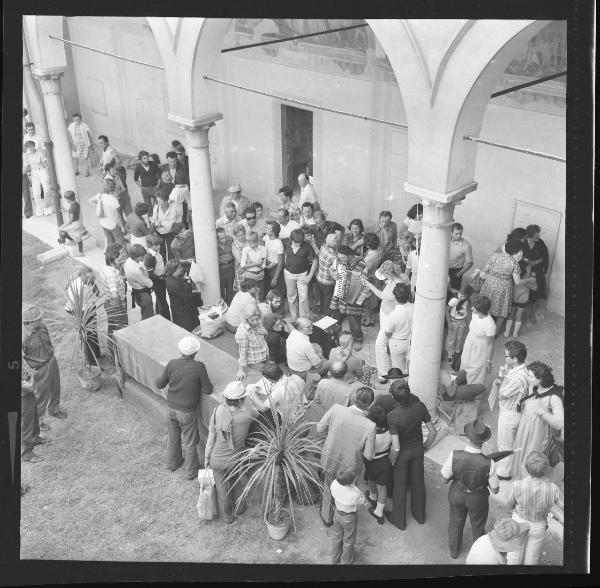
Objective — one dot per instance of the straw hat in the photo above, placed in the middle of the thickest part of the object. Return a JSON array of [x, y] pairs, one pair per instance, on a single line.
[[188, 346], [31, 313], [235, 188], [234, 391], [508, 535]]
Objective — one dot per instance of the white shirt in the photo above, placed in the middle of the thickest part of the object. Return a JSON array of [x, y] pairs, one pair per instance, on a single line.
[[39, 145], [136, 275], [301, 356], [286, 230], [483, 553], [258, 255], [274, 248], [283, 391], [446, 470], [307, 221], [308, 194], [110, 218], [259, 227], [108, 155], [347, 498], [233, 316], [399, 321]]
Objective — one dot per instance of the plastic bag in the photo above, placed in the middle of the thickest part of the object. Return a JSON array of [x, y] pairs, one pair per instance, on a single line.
[[196, 274], [207, 500]]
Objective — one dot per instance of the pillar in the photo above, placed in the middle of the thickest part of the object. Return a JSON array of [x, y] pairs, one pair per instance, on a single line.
[[430, 304], [57, 126], [38, 117], [201, 192]]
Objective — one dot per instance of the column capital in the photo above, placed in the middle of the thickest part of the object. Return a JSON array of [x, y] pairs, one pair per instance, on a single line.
[[193, 124], [435, 197], [48, 74]]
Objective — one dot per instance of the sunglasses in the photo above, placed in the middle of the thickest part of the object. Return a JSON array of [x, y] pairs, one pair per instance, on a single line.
[[250, 217]]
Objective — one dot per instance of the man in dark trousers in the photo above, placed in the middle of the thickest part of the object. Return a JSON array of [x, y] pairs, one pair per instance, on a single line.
[[187, 379], [473, 476], [30, 424]]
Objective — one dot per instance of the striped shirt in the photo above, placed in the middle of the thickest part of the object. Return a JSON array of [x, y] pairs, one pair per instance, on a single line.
[[532, 498], [110, 281], [514, 386], [252, 344], [327, 257]]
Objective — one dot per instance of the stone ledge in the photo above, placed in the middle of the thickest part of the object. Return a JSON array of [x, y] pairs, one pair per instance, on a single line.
[[52, 255]]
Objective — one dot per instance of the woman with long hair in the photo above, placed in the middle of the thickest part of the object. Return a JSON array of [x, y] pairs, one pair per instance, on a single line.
[[184, 300], [354, 236]]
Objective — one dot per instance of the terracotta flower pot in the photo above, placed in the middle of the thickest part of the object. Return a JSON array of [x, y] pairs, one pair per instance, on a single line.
[[90, 378], [279, 529]]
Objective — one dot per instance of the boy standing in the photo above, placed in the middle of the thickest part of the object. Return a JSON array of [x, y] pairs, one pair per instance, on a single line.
[[347, 499]]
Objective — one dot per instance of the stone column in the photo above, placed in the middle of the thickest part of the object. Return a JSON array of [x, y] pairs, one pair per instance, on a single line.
[[201, 192], [57, 125], [38, 117], [430, 304]]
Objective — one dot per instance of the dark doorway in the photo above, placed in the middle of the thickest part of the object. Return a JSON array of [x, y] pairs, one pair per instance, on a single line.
[[296, 143]]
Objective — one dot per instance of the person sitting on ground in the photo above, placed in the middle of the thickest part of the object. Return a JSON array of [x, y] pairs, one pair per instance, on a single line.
[[301, 356], [228, 429], [532, 499], [273, 304], [276, 336], [252, 346], [137, 226], [187, 380], [286, 201], [184, 299], [335, 390], [491, 549], [345, 352], [349, 433], [139, 281], [248, 295], [72, 229], [347, 499], [473, 477], [182, 246], [378, 471]]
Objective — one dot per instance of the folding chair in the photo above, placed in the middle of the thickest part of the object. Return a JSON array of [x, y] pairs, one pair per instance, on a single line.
[[448, 406]]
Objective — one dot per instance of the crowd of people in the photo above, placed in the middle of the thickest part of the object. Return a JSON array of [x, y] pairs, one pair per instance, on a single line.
[[295, 256]]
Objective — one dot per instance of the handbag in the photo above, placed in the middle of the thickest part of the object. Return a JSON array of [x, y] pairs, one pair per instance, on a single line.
[[207, 500]]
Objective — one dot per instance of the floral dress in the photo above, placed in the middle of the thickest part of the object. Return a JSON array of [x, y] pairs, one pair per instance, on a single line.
[[498, 284]]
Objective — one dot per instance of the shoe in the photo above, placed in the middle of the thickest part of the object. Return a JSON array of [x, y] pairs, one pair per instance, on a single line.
[[41, 441], [379, 519], [58, 415], [505, 478], [176, 467], [32, 457], [372, 502], [76, 173], [44, 426]]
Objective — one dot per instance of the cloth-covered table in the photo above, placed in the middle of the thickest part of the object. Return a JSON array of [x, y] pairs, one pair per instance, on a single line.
[[144, 349]]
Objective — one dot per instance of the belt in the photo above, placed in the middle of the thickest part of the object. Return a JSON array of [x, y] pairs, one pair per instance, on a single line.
[[462, 486], [345, 513]]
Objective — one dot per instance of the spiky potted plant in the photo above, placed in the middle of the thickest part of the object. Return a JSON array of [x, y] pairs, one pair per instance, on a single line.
[[282, 459], [75, 330]]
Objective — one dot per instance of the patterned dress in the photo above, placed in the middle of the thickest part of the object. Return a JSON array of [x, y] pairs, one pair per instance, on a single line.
[[498, 284], [239, 272], [80, 139]]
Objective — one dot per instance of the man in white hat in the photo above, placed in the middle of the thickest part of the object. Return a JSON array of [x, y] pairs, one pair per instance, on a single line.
[[491, 549], [38, 353], [187, 379], [235, 196]]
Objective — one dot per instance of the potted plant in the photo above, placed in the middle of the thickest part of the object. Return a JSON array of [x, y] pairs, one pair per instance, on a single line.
[[284, 460], [75, 331]]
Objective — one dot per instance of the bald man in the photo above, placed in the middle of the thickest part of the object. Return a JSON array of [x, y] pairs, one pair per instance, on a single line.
[[301, 355], [335, 390]]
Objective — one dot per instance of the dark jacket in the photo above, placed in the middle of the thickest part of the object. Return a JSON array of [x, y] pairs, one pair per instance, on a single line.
[[184, 303]]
